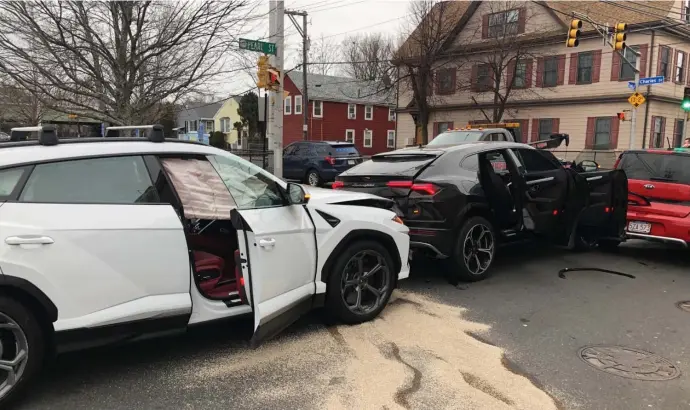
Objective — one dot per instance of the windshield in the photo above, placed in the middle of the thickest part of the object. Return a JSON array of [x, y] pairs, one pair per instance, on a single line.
[[455, 137], [650, 166]]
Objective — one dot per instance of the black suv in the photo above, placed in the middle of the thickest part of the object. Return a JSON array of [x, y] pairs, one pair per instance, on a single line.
[[461, 201], [317, 162]]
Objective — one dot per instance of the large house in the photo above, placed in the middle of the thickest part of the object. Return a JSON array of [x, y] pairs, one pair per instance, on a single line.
[[340, 109], [579, 91]]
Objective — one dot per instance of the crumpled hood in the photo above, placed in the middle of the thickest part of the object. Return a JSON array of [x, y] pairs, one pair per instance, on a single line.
[[333, 196]]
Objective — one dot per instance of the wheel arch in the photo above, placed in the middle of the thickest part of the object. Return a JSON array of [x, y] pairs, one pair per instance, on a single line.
[[362, 234], [471, 210], [27, 293]]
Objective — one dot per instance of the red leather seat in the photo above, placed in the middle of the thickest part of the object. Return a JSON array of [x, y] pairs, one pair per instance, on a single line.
[[208, 270]]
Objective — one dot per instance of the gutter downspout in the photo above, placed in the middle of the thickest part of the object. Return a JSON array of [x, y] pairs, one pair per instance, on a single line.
[[649, 90]]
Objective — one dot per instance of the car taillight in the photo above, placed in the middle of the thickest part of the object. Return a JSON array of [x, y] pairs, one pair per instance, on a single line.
[[330, 160], [423, 188], [337, 185]]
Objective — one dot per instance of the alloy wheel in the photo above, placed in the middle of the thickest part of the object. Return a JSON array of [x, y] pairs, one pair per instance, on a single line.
[[14, 354], [478, 249], [313, 179], [365, 282]]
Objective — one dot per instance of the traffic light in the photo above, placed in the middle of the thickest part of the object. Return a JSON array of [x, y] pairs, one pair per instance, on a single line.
[[273, 78], [621, 116], [262, 72], [574, 33], [619, 36], [685, 105]]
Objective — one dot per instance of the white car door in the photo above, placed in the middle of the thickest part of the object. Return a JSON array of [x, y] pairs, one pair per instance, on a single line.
[[92, 236], [280, 245]]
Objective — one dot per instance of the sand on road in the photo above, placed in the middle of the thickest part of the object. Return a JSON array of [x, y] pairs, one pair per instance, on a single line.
[[417, 354]]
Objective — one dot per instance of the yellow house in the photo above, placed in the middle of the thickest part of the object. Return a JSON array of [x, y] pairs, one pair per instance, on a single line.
[[226, 117]]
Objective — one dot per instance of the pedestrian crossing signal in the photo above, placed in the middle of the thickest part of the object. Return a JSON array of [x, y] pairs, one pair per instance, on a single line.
[[621, 116]]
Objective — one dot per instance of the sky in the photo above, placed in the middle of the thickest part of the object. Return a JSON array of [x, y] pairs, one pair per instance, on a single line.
[[332, 19]]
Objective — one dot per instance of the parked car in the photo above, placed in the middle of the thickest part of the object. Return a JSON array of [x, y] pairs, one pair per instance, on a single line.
[[115, 239], [459, 201], [318, 162], [659, 199]]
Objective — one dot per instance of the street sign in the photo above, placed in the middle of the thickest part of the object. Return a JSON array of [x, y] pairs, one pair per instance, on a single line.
[[256, 45], [636, 99], [652, 80], [631, 85]]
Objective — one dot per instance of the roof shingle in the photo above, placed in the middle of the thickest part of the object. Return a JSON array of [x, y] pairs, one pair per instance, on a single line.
[[343, 89]]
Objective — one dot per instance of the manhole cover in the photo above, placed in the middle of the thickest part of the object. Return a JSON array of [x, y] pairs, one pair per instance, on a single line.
[[684, 305], [629, 363]]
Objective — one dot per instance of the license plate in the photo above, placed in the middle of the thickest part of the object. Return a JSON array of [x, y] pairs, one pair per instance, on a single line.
[[350, 162], [639, 227]]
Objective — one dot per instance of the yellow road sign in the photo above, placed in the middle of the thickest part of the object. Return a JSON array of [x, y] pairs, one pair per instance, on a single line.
[[636, 99]]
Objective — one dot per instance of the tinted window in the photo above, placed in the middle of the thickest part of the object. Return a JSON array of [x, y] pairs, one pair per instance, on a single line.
[[498, 161], [345, 150], [301, 150], [9, 179], [456, 137], [289, 150], [250, 186], [656, 167], [116, 180], [535, 161], [400, 165], [471, 163], [497, 137], [323, 150]]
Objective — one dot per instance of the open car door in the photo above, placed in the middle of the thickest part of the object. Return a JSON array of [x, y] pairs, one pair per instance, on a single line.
[[605, 215]]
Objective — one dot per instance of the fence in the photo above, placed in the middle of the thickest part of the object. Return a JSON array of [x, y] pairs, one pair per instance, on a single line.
[[263, 159]]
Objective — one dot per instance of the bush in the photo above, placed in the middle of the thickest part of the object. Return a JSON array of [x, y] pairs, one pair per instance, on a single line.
[[217, 139]]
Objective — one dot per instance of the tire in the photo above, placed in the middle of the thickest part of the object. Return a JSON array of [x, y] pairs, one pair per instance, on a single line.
[[459, 268], [313, 178], [583, 244], [341, 298], [14, 312], [609, 246]]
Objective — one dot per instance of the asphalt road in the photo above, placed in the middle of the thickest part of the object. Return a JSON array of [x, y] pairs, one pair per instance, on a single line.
[[540, 320]]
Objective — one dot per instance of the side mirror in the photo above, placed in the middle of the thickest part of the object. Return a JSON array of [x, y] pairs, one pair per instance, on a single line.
[[296, 194], [588, 165]]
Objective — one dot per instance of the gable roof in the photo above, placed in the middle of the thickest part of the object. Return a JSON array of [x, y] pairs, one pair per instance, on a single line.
[[343, 89]]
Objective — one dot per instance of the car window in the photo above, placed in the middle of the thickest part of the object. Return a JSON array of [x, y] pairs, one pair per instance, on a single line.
[[345, 150], [289, 150], [455, 137], [301, 150], [664, 167], [9, 179], [536, 161], [498, 161], [497, 136], [112, 180], [322, 150], [471, 163], [250, 186]]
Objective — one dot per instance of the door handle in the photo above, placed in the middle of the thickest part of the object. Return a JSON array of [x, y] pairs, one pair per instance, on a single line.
[[267, 243], [29, 240]]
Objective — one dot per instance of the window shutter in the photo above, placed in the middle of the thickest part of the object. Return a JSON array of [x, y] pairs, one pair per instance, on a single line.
[[555, 125], [615, 126], [540, 72], [534, 136], [572, 75], [615, 66], [522, 19], [561, 69], [687, 75], [663, 132], [658, 60], [589, 135], [435, 129], [675, 130], [474, 78], [596, 66], [528, 74], [644, 48], [652, 138], [510, 72], [485, 26], [672, 74], [525, 129]]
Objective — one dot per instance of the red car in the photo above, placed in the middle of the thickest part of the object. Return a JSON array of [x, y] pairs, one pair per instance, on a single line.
[[658, 194]]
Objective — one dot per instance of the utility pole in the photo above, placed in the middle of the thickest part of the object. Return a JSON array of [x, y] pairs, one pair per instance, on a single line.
[[305, 49], [633, 117], [275, 119]]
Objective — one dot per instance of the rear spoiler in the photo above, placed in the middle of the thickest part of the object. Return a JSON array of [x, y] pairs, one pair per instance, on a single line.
[[554, 141]]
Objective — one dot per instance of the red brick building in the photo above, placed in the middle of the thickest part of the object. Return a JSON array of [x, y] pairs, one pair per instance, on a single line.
[[340, 109]]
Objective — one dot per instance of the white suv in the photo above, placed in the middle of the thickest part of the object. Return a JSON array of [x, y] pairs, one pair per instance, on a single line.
[[114, 239]]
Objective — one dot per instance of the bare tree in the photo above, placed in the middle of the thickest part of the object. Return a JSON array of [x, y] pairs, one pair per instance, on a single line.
[[368, 56], [504, 71], [322, 53], [434, 24], [116, 61]]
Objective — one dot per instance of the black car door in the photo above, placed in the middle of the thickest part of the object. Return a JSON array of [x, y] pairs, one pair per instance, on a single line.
[[546, 186], [289, 161], [605, 214]]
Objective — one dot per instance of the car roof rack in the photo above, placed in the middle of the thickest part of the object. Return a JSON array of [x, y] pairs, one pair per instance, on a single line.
[[156, 135], [47, 134]]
